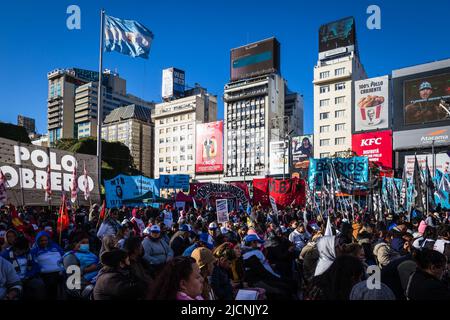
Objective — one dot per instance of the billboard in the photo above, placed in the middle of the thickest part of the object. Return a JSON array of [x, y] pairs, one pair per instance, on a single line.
[[173, 83], [423, 99], [442, 160], [279, 163], [372, 107], [422, 138], [209, 147], [301, 150], [336, 35], [255, 59], [377, 146], [174, 181], [25, 167]]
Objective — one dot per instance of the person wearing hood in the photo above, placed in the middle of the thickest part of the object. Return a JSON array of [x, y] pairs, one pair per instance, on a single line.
[[114, 281], [280, 252], [110, 225], [138, 224], [180, 240], [26, 268], [329, 248], [156, 251], [10, 237], [220, 279], [48, 255], [206, 263], [309, 257]]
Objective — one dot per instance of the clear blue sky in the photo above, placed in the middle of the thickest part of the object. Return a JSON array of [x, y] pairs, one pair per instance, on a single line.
[[197, 35]]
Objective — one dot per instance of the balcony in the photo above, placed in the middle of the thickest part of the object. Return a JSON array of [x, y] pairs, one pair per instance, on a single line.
[[333, 78]]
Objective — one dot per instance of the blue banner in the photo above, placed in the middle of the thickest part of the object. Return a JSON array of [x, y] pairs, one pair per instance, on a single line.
[[352, 173], [442, 195], [128, 187], [174, 181]]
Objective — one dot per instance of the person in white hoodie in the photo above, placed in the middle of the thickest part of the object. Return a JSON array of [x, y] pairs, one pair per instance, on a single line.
[[299, 237]]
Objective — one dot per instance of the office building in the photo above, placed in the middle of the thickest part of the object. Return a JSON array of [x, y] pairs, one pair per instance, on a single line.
[[28, 123]]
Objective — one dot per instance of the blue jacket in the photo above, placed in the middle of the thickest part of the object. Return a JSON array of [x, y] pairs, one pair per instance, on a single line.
[[189, 250], [47, 258], [32, 267]]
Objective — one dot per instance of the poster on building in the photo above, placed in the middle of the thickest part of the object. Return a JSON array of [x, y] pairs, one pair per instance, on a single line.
[[442, 160], [124, 187], [372, 104], [279, 161], [377, 146], [25, 167], [209, 148], [301, 150], [337, 34], [173, 83], [222, 210], [424, 99]]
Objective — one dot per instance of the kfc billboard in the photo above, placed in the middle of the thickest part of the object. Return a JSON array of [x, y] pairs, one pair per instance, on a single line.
[[372, 107], [377, 146], [209, 147]]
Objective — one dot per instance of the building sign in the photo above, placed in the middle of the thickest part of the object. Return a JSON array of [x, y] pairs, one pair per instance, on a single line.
[[336, 36], [372, 104], [442, 161], [174, 181], [377, 146], [209, 147], [301, 150], [173, 83], [422, 138], [25, 167], [279, 163]]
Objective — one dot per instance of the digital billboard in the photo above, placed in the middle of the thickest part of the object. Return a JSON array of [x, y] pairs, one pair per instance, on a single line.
[[301, 150], [337, 34], [279, 163], [173, 83], [423, 99], [209, 147], [372, 104], [255, 59], [377, 146]]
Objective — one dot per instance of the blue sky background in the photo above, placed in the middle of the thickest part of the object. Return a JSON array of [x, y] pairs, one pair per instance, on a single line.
[[197, 35]]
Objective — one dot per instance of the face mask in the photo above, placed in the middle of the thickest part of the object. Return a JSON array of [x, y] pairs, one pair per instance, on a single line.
[[84, 247]]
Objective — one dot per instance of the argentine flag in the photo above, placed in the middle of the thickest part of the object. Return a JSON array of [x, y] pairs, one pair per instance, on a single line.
[[128, 37]]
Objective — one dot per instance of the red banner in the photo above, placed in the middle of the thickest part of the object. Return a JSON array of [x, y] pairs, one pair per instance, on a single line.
[[285, 192], [209, 147], [377, 146]]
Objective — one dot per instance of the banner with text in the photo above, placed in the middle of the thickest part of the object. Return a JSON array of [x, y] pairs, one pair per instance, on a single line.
[[285, 192]]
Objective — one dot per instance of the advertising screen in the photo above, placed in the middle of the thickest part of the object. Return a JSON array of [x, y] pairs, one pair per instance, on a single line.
[[372, 104], [377, 146], [173, 83], [209, 147], [337, 34], [442, 161], [423, 99], [255, 59], [301, 150]]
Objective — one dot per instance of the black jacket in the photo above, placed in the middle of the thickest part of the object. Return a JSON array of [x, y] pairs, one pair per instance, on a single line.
[[423, 286], [116, 284], [178, 244], [221, 284], [391, 277]]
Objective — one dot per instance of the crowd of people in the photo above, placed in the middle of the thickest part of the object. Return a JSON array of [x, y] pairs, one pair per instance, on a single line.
[[177, 254]]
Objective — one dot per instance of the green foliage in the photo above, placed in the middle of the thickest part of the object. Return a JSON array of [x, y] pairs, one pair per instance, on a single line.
[[13, 132]]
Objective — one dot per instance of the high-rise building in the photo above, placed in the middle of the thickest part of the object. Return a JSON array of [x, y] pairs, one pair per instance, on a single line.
[[334, 76], [132, 126], [175, 130], [72, 102], [293, 110], [28, 123]]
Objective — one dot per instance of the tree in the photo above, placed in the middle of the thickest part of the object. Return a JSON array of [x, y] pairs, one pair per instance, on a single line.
[[116, 157], [13, 132]]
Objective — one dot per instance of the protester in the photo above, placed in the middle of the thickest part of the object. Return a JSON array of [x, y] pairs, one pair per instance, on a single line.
[[206, 263], [110, 225], [136, 221], [10, 284], [220, 279], [156, 251], [383, 251], [180, 240], [139, 267]]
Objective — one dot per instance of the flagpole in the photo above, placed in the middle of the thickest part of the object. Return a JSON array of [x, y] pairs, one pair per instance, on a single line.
[[100, 98]]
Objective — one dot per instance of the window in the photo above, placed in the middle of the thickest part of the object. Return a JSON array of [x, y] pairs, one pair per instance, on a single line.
[[339, 86], [324, 74], [175, 148], [182, 128], [175, 159], [161, 140], [175, 169], [183, 149], [168, 159], [324, 142], [190, 136], [182, 138], [340, 141], [175, 129], [161, 131], [168, 130], [190, 157], [190, 147], [341, 154], [190, 127], [182, 157], [182, 117], [324, 115], [324, 102], [324, 129], [161, 160], [324, 89], [339, 113], [339, 100], [161, 169], [189, 168], [183, 168], [167, 149], [324, 155], [161, 121], [161, 150], [175, 139], [339, 72], [169, 139], [175, 119], [339, 127]]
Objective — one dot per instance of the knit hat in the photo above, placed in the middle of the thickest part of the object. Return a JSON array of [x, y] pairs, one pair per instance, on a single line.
[[113, 258], [361, 292], [203, 256]]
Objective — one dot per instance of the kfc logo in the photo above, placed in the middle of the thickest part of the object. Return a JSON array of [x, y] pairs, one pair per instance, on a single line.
[[370, 142]]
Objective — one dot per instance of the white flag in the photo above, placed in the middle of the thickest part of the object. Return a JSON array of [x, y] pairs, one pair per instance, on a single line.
[[74, 187], [85, 183], [328, 230]]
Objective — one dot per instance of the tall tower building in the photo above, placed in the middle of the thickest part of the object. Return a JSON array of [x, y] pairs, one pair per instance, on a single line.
[[336, 71]]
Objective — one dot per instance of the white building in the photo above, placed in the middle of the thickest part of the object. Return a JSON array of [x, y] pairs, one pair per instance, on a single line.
[[254, 117], [293, 110], [175, 131], [333, 103]]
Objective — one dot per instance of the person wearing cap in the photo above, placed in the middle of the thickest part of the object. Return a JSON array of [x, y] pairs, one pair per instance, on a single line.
[[204, 240], [156, 251], [114, 281], [206, 262], [213, 230], [180, 240], [423, 109]]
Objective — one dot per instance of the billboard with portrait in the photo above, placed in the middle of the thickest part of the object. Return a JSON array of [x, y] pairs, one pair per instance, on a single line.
[[337, 34], [209, 147], [423, 99], [301, 150], [372, 104]]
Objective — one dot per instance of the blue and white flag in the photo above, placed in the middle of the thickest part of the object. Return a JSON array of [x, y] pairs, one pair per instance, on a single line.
[[128, 37]]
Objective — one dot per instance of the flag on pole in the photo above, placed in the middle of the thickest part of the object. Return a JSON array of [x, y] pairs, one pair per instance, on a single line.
[[63, 216], [128, 37], [328, 230], [3, 195], [403, 190], [48, 186], [103, 211], [195, 203], [85, 183], [418, 197], [16, 221], [249, 209], [431, 189], [74, 186]]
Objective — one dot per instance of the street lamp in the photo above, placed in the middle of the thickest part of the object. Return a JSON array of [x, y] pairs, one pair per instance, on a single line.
[[288, 138]]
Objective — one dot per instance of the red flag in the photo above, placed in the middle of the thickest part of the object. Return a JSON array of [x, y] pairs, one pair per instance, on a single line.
[[16, 221], [103, 211], [3, 195], [63, 217]]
